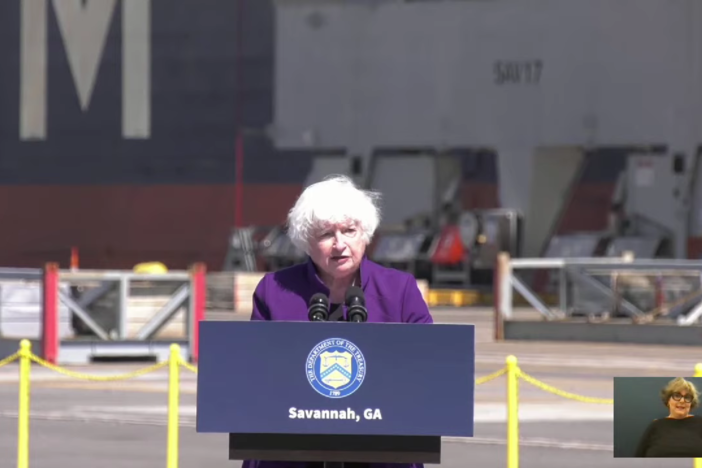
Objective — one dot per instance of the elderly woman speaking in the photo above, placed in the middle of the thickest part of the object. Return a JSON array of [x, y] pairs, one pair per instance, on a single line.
[[333, 221], [680, 433]]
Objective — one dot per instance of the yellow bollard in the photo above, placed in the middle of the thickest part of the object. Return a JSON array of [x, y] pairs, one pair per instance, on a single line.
[[457, 299], [432, 296], [23, 411], [512, 413], [173, 406]]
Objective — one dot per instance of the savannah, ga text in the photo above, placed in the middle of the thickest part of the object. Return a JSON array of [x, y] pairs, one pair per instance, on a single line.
[[348, 413]]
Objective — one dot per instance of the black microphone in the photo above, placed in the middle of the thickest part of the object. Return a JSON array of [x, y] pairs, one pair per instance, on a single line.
[[318, 308], [356, 302]]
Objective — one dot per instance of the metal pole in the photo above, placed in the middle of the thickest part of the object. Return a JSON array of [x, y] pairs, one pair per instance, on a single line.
[[173, 406], [504, 266], [512, 413], [50, 313], [239, 149], [498, 319], [239, 181], [196, 309], [23, 410]]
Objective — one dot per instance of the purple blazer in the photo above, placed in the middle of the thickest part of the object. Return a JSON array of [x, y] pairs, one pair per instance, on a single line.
[[391, 296]]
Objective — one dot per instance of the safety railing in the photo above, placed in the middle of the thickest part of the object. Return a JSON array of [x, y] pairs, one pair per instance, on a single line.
[[25, 356], [642, 290], [79, 316]]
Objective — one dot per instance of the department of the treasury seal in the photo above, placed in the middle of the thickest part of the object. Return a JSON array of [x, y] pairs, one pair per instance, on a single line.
[[335, 368]]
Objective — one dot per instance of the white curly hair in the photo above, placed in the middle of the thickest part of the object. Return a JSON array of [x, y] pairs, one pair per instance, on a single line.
[[334, 200]]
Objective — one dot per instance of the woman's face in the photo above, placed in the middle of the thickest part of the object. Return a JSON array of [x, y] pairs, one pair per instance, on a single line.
[[338, 249], [679, 404]]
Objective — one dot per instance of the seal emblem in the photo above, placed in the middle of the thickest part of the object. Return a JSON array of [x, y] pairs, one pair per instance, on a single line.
[[335, 368]]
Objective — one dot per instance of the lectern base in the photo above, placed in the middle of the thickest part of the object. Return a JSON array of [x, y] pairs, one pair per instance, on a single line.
[[335, 448]]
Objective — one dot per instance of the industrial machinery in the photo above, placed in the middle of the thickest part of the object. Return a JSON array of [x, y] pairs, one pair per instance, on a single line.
[[261, 249], [277, 250], [464, 253], [245, 245], [459, 254], [542, 111], [649, 219], [404, 250]]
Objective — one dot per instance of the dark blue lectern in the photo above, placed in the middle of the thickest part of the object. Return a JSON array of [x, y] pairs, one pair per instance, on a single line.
[[336, 391]]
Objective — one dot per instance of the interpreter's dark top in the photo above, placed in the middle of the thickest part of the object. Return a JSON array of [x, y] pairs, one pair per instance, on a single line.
[[672, 438]]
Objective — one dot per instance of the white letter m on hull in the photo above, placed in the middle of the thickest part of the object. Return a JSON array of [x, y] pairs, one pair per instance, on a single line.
[[84, 25]]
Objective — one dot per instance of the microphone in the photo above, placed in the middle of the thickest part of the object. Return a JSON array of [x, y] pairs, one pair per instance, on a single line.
[[356, 302], [318, 308]]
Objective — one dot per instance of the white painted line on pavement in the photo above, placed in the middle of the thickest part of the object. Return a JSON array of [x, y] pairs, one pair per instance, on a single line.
[[484, 412], [91, 417], [69, 416], [544, 412], [185, 410], [604, 362], [532, 442]]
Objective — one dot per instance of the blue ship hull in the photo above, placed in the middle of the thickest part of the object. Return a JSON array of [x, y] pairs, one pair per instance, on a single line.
[[168, 196]]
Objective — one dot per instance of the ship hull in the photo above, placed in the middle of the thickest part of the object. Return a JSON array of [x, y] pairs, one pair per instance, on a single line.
[[130, 156], [119, 226]]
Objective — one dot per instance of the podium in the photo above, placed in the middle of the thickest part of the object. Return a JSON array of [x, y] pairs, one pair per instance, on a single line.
[[336, 391]]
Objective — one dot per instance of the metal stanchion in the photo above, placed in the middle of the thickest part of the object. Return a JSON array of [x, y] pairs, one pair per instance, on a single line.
[[23, 411], [173, 406], [512, 413]]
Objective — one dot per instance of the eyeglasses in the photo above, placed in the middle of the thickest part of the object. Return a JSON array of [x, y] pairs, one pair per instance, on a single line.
[[677, 397]]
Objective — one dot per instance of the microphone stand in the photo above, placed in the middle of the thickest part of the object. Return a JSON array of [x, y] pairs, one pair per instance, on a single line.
[[336, 315]]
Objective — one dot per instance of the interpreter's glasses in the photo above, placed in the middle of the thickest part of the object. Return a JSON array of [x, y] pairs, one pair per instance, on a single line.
[[678, 397]]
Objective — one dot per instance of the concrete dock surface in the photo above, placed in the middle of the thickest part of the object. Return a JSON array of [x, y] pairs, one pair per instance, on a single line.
[[84, 424]]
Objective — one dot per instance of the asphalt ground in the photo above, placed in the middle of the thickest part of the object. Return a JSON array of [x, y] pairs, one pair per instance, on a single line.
[[84, 424]]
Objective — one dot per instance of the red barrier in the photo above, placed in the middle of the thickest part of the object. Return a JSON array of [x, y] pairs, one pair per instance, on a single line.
[[450, 249], [50, 323], [198, 303]]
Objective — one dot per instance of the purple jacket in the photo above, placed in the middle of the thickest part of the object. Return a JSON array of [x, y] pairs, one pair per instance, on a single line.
[[391, 296]]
